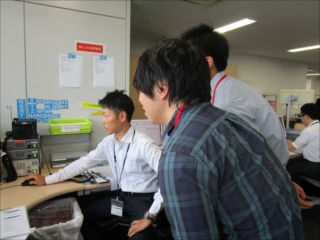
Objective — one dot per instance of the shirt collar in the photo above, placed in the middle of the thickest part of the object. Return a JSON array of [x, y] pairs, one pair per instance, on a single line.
[[170, 127], [127, 138], [315, 121], [215, 79]]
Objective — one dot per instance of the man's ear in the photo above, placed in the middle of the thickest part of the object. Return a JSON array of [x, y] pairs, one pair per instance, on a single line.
[[210, 61], [122, 116], [163, 90]]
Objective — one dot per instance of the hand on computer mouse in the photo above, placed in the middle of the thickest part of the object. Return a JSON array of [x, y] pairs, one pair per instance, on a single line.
[[37, 179], [27, 182]]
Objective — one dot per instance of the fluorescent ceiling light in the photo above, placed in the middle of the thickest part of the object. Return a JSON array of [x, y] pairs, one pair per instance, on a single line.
[[235, 25], [313, 74], [304, 48]]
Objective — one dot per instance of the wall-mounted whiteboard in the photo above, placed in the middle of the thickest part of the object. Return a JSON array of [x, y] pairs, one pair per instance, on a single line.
[[303, 96]]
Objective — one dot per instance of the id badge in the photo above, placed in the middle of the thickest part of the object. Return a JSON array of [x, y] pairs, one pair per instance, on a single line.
[[116, 207]]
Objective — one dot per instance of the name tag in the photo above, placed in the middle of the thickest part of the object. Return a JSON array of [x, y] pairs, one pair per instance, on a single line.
[[116, 207]]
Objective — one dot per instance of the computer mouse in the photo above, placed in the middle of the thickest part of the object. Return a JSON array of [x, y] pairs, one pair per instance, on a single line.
[[27, 182]]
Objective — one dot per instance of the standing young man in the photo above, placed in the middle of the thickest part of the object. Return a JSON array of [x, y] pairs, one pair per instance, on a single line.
[[237, 97], [218, 177], [133, 158], [309, 164]]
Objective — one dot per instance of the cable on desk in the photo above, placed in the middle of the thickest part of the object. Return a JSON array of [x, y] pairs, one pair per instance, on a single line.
[[82, 181], [44, 158]]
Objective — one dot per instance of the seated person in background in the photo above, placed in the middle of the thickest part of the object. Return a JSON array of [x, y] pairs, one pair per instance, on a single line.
[[133, 158], [218, 176], [309, 164], [237, 97], [318, 105]]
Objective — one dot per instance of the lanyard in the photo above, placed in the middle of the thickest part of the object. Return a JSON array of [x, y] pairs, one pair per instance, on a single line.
[[215, 88], [124, 161], [314, 123], [179, 114]]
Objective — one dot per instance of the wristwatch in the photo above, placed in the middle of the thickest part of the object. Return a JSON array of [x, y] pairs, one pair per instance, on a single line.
[[146, 216]]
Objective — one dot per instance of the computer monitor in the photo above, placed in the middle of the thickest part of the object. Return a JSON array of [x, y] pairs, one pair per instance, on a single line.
[[148, 128], [282, 124]]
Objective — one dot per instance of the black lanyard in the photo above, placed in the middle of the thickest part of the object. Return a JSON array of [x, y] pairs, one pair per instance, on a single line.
[[124, 161], [314, 123]]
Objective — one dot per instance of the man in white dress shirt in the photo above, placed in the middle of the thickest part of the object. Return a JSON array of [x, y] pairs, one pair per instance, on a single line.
[[133, 158], [309, 164]]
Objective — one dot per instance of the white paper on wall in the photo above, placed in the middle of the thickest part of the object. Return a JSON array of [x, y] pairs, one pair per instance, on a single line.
[[70, 70], [103, 72]]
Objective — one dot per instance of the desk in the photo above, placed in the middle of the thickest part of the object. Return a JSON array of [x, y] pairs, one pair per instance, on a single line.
[[295, 154], [13, 194]]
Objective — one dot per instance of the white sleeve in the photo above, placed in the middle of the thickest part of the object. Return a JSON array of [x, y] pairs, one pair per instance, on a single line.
[[157, 204], [94, 157], [302, 140], [152, 155]]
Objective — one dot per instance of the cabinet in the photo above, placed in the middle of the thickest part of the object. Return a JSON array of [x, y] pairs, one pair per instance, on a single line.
[[272, 99], [63, 143]]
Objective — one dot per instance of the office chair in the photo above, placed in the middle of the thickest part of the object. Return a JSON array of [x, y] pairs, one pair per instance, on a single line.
[[123, 223], [310, 196]]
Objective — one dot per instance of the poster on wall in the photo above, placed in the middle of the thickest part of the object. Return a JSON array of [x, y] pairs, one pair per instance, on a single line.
[[70, 70], [103, 71], [83, 46], [43, 110]]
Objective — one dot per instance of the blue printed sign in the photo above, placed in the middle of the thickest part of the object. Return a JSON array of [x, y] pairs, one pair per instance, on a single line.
[[21, 108], [103, 57], [41, 109]]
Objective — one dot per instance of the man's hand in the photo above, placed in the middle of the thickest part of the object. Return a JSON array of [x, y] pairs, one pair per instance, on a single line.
[[290, 146], [302, 196], [39, 180], [138, 226]]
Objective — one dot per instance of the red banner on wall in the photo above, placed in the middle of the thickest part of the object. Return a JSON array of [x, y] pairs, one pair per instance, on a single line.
[[90, 47]]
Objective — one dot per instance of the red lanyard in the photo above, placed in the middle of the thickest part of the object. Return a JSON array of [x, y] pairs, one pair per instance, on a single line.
[[215, 88], [179, 115]]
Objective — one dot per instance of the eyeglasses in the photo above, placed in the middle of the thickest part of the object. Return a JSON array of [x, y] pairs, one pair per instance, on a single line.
[[301, 115]]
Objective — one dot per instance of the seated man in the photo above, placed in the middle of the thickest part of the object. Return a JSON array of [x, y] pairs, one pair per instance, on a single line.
[[218, 176], [133, 158], [309, 164]]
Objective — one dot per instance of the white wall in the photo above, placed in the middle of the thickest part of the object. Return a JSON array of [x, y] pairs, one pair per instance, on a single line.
[[34, 33], [269, 75]]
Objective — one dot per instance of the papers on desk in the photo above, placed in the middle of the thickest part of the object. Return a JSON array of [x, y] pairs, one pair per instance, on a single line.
[[297, 151], [103, 174], [14, 223]]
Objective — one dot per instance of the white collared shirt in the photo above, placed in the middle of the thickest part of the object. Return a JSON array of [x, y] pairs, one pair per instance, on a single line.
[[140, 169], [239, 98], [309, 142]]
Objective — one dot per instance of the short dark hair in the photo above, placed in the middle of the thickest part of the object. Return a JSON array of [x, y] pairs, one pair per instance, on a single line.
[[182, 68], [117, 101], [311, 110], [211, 43]]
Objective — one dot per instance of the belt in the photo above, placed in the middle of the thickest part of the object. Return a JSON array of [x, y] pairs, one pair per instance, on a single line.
[[137, 194]]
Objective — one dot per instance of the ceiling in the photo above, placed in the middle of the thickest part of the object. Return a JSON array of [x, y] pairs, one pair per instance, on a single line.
[[281, 25]]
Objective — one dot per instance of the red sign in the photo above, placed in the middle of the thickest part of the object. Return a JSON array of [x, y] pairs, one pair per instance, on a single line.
[[89, 47]]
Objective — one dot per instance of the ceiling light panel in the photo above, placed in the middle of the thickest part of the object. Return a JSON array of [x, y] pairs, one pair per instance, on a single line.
[[235, 25], [304, 48]]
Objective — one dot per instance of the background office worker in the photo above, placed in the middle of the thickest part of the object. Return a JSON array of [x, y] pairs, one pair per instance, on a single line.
[[133, 158], [237, 97], [219, 178], [309, 164]]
